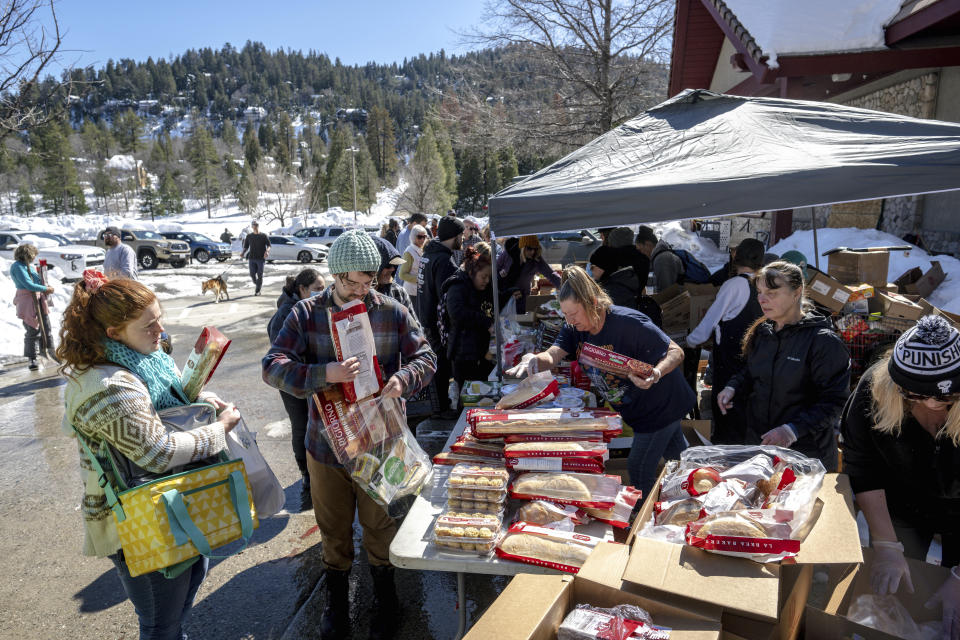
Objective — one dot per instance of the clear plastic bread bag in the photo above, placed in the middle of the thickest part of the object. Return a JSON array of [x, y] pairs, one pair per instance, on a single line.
[[371, 440]]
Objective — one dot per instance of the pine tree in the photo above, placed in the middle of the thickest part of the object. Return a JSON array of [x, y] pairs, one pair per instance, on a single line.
[[171, 198], [426, 179], [149, 202], [127, 129], [381, 142], [266, 136], [246, 192], [60, 189], [229, 135], [251, 147], [470, 183], [96, 140], [508, 165], [446, 155], [339, 140], [25, 202], [203, 157], [104, 184]]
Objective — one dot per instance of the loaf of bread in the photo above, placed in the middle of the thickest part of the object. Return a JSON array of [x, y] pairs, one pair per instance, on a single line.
[[732, 525], [540, 548], [552, 484]]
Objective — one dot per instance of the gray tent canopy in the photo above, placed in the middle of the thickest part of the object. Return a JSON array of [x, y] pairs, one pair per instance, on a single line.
[[703, 154]]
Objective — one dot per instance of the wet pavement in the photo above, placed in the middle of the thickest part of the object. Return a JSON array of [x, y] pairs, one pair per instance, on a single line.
[[271, 589]]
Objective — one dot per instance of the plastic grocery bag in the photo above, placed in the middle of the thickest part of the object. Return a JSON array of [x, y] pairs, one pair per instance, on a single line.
[[371, 440], [267, 491], [887, 614]]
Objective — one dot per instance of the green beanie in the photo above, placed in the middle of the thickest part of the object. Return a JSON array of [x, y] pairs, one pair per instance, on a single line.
[[353, 251]]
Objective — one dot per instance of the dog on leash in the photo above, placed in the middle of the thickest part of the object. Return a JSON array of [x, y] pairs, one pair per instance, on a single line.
[[219, 287]]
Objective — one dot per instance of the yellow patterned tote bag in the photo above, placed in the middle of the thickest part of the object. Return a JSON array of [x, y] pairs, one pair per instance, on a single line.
[[169, 520]]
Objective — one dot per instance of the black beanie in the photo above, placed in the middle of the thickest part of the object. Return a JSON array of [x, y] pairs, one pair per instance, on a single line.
[[449, 227], [926, 358], [605, 258]]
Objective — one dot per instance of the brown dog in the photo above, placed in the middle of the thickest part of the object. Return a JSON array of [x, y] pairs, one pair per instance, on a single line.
[[219, 287]]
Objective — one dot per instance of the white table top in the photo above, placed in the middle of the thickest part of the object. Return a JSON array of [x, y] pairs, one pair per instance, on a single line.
[[412, 547]]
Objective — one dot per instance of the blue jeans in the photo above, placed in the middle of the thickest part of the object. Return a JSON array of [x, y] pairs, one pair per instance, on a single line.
[[162, 604], [646, 451], [256, 272]]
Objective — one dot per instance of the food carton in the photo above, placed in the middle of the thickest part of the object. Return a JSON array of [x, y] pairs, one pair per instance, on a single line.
[[826, 290]]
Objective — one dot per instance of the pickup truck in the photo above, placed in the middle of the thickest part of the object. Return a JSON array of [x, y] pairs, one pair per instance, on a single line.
[[150, 248]]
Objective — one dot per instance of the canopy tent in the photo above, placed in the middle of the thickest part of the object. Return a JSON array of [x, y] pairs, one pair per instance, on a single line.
[[703, 154]]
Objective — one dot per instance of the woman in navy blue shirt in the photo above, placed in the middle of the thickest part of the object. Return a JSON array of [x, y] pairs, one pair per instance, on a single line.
[[652, 407]]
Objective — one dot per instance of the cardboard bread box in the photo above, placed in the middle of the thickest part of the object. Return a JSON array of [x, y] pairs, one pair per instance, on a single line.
[[895, 305], [532, 607], [683, 306], [758, 600], [831, 623], [916, 282], [856, 267], [826, 290]]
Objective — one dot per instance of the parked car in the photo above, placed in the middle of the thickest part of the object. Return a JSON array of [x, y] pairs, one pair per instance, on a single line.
[[567, 247], [202, 248], [69, 257], [294, 248], [320, 235], [150, 248]]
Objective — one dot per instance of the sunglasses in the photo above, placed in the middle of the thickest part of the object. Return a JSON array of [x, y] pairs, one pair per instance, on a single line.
[[421, 237], [919, 397]]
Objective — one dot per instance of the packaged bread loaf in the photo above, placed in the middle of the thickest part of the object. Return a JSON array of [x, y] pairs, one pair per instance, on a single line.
[[553, 516], [561, 550], [620, 514], [487, 423], [580, 489], [539, 388], [622, 622], [571, 464], [469, 445]]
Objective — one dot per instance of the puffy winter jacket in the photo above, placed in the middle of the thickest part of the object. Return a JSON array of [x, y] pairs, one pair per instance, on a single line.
[[800, 376], [919, 474], [436, 266], [471, 315], [623, 287], [284, 303]]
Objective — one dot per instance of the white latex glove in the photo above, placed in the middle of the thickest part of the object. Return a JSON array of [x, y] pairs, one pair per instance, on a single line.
[[782, 436], [526, 367], [889, 566], [725, 399], [948, 595]]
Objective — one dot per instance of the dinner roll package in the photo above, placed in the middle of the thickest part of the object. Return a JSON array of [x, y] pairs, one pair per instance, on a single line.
[[353, 338], [755, 502]]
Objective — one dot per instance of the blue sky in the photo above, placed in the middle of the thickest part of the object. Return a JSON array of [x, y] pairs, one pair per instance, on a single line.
[[358, 31]]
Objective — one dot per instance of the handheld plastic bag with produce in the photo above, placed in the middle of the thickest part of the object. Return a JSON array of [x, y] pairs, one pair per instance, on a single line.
[[353, 338], [756, 502], [371, 440], [202, 361]]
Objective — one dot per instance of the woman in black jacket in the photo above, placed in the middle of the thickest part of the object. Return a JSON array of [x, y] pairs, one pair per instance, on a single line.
[[797, 374], [297, 288], [468, 298], [901, 449], [620, 281]]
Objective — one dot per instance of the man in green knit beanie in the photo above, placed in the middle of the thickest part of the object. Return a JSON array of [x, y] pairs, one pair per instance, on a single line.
[[302, 361]]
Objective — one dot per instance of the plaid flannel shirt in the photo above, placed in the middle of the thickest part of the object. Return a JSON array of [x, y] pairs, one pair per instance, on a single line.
[[297, 361]]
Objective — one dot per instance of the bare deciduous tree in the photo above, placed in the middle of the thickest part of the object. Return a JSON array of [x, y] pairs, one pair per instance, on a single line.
[[27, 48], [605, 59]]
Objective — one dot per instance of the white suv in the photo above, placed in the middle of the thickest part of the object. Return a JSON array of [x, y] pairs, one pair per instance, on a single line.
[[56, 249]]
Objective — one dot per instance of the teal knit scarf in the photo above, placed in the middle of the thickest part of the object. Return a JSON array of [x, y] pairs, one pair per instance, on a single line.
[[157, 370]]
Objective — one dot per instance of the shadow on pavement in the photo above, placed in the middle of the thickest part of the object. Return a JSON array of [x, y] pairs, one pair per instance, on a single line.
[[103, 593], [31, 386]]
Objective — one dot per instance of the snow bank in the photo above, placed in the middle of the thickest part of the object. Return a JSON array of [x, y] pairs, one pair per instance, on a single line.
[[946, 296], [679, 237], [122, 162], [782, 27], [11, 329]]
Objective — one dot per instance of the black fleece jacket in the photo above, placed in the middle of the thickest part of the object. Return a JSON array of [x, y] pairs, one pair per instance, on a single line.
[[436, 266], [800, 376]]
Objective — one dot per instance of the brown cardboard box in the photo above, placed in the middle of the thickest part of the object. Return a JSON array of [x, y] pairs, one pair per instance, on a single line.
[[854, 267], [952, 317], [916, 282], [676, 315], [759, 601], [697, 432], [831, 623], [826, 290], [532, 607], [895, 305], [701, 297]]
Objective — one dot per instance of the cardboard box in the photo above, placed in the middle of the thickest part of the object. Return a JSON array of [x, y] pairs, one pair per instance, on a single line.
[[826, 290], [759, 601], [831, 623], [532, 607], [855, 267], [895, 305], [683, 306], [697, 432], [916, 282], [701, 297]]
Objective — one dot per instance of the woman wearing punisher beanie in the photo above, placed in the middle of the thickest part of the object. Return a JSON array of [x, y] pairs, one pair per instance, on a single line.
[[901, 449]]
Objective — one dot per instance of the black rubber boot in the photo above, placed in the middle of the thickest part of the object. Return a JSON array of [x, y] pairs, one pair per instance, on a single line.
[[335, 621], [306, 500], [386, 617]]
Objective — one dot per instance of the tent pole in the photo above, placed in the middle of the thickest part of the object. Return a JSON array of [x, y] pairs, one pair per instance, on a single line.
[[495, 276], [816, 249]]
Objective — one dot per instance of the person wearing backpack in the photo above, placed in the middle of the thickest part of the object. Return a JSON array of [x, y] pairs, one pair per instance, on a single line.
[[466, 315], [670, 266]]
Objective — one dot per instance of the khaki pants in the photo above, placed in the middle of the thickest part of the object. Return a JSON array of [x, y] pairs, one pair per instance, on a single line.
[[335, 499]]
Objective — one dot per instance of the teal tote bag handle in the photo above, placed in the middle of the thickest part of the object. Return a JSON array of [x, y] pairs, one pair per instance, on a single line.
[[183, 528]]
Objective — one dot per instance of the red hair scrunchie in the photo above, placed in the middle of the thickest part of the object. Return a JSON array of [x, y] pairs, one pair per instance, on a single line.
[[93, 280]]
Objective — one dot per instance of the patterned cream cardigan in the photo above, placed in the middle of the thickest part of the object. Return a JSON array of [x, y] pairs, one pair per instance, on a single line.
[[111, 403]]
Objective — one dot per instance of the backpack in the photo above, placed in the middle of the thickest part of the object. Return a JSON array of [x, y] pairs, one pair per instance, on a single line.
[[693, 270], [444, 323]]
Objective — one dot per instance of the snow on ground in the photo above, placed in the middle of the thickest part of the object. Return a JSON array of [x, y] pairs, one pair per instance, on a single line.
[[946, 296], [11, 329], [678, 236], [782, 27], [122, 162]]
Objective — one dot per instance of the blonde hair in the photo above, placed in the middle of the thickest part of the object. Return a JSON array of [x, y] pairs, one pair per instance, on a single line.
[[582, 289], [775, 275], [889, 406], [25, 253]]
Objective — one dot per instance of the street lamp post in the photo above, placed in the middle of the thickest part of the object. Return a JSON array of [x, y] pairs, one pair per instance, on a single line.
[[329, 193]]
